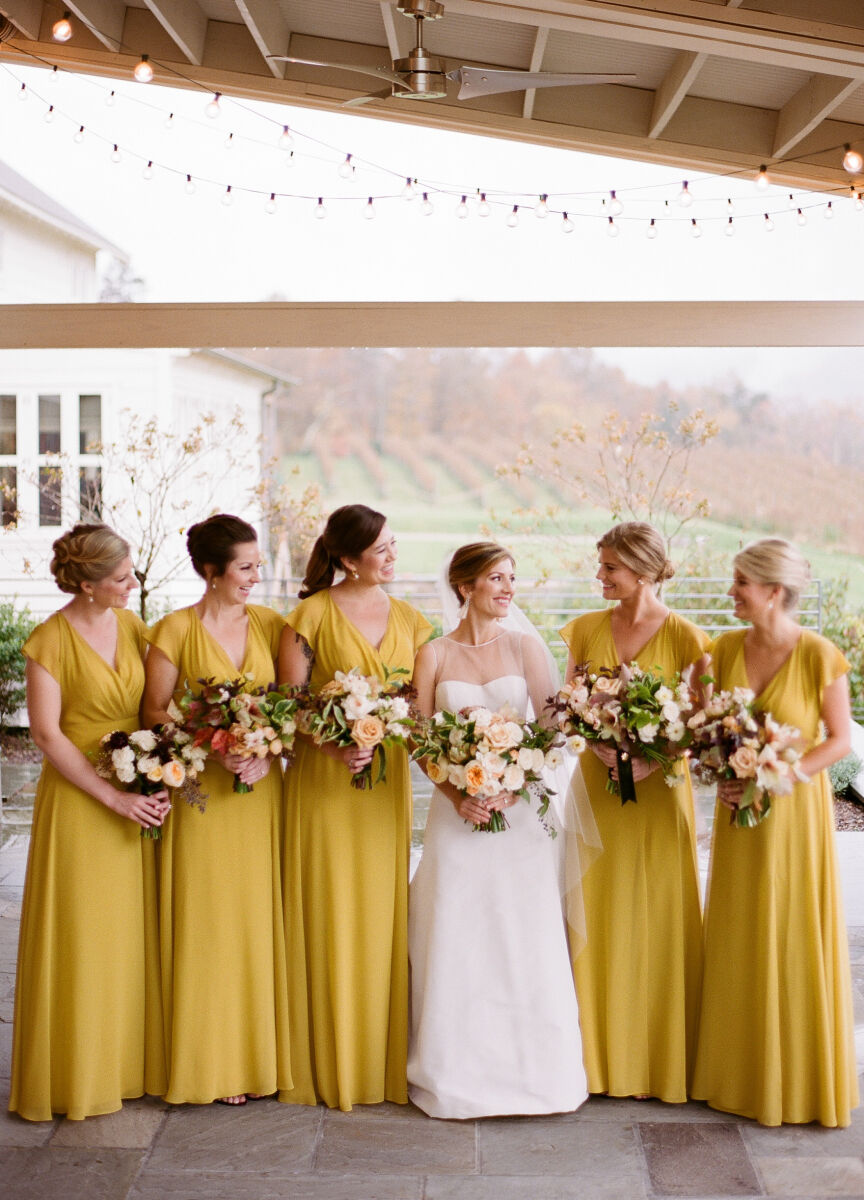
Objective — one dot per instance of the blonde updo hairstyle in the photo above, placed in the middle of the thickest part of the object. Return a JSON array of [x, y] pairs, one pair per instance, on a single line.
[[86, 554], [469, 562], [642, 549], [775, 563]]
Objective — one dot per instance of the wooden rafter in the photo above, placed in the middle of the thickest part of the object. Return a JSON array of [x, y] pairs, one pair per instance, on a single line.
[[541, 37], [809, 107], [269, 30], [103, 18], [185, 23], [25, 14]]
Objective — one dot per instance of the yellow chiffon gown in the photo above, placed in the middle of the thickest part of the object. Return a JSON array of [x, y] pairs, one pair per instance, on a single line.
[[87, 1031], [222, 940], [346, 888], [638, 975], [776, 1030]]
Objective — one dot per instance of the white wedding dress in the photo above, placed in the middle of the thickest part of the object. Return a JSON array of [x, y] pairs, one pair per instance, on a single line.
[[494, 1017]]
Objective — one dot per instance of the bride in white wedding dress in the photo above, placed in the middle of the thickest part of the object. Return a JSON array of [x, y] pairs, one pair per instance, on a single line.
[[494, 1017]]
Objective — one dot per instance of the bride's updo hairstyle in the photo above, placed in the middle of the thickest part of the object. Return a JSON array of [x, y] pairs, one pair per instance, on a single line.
[[469, 562], [211, 543], [775, 562], [349, 531], [641, 548], [86, 554]]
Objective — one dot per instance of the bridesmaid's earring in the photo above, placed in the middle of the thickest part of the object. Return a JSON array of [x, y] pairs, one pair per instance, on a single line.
[[355, 574], [770, 603], [90, 597], [641, 581]]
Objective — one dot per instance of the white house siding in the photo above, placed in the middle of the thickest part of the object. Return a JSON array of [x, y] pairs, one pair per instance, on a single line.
[[39, 264]]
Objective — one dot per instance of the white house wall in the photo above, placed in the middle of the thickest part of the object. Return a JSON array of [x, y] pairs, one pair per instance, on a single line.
[[41, 265]]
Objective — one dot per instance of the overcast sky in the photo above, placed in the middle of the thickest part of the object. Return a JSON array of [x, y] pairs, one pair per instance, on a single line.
[[192, 247]]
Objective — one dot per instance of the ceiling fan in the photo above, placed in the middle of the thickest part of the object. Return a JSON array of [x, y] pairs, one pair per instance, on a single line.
[[421, 76]]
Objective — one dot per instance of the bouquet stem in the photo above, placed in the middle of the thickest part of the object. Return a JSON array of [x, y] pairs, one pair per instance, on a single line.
[[240, 787], [497, 823]]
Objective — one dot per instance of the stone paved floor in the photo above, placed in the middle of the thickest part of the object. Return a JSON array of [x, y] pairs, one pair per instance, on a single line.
[[609, 1150]]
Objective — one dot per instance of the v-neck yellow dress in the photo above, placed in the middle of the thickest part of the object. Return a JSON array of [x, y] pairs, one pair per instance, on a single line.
[[776, 1031], [346, 887], [223, 948], [638, 975], [88, 1031]]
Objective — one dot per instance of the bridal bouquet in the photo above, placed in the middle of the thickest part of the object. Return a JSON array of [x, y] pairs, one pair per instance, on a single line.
[[734, 740], [148, 760], [361, 710], [484, 753], [232, 718], [638, 712]]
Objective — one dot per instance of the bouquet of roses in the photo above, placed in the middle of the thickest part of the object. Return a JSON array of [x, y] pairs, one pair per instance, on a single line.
[[232, 718], [734, 740], [637, 712], [361, 710], [152, 759], [484, 753]]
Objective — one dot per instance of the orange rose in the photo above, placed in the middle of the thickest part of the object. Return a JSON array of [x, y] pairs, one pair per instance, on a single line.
[[475, 778], [173, 773], [368, 731]]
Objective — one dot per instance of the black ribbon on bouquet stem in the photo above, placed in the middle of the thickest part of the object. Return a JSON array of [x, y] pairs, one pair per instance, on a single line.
[[626, 786]]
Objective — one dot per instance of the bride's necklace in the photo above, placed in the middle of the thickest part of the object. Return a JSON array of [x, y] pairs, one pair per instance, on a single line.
[[474, 645]]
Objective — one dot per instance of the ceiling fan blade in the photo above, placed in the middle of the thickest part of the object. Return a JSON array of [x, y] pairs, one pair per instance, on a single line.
[[375, 72], [479, 81], [386, 94]]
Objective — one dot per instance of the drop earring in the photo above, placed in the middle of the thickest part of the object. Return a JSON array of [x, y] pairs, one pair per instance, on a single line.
[[463, 608], [355, 575]]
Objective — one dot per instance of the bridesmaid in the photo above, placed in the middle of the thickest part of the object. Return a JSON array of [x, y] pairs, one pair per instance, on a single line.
[[223, 962], [776, 1030], [346, 852], [638, 976], [87, 1025]]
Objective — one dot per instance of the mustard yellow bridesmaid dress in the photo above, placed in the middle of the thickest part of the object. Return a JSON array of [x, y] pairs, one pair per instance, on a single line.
[[346, 888], [638, 975], [87, 1031], [222, 941], [776, 1029]]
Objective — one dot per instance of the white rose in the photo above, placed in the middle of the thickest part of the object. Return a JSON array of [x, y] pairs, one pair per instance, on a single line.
[[648, 732], [456, 775], [515, 732], [538, 759], [125, 773], [144, 739], [525, 757], [147, 763], [357, 707], [125, 757], [493, 764], [513, 778], [399, 708], [481, 718]]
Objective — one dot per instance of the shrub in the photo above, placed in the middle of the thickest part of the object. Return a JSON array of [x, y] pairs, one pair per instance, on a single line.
[[843, 773], [15, 628], [844, 626]]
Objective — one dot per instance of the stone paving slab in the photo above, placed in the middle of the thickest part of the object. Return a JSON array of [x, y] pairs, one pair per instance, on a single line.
[[563, 1146], [132, 1128], [811, 1176], [687, 1160], [158, 1185], [394, 1145], [15, 1131], [615, 1108], [790, 1141], [63, 1174], [516, 1187], [265, 1138]]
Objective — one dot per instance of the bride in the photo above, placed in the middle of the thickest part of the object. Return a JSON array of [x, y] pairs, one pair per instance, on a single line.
[[494, 1018]]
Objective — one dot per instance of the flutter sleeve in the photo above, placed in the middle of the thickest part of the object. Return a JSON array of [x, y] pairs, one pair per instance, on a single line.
[[272, 624], [168, 635], [43, 646], [422, 629], [306, 618]]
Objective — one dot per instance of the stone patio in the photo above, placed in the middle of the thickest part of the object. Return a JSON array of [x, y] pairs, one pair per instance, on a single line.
[[609, 1150]]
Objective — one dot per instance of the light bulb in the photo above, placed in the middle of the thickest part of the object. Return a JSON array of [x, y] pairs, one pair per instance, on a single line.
[[612, 229], [49, 116], [651, 231], [409, 191], [286, 141], [345, 169], [859, 201], [792, 204], [762, 180], [369, 210], [147, 173], [484, 208], [169, 121], [78, 136], [513, 217], [768, 224], [228, 197], [61, 31], [427, 208], [270, 205], [853, 162], [320, 210], [695, 230], [685, 198], [213, 109], [615, 206], [801, 219], [540, 209], [115, 154], [730, 228], [111, 99], [190, 186], [22, 92], [829, 211], [462, 209], [143, 71], [567, 225], [229, 142]]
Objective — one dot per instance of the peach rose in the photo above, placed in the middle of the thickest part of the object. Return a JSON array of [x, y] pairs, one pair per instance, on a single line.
[[156, 774], [607, 686], [743, 762], [173, 773], [475, 778], [368, 731], [436, 771]]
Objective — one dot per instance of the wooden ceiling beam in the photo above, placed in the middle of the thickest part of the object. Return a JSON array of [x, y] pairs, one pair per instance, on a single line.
[[26, 15], [270, 30], [673, 89], [103, 18], [541, 37], [185, 23], [809, 107]]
